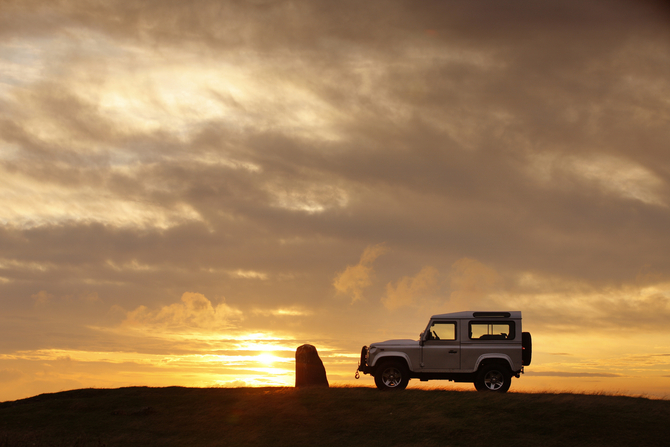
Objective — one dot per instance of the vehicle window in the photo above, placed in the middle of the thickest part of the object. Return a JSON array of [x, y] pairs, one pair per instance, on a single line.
[[491, 331], [440, 330]]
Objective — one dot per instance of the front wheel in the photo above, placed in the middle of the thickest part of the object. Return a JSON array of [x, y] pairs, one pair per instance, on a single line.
[[392, 375], [496, 378]]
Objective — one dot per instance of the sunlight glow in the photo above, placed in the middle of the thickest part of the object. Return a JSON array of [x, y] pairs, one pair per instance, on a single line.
[[266, 359]]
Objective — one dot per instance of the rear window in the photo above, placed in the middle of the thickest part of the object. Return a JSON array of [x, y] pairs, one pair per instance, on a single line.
[[491, 330]]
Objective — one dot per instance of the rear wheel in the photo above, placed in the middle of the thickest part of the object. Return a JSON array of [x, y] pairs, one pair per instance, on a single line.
[[496, 378], [392, 375]]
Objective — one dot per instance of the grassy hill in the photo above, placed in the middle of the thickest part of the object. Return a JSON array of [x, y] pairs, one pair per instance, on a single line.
[[177, 416]]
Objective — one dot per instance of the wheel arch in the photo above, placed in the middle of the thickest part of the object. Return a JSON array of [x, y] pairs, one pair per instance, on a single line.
[[490, 359], [391, 356]]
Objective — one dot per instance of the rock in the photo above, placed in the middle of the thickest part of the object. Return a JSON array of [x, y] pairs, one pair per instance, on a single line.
[[309, 369]]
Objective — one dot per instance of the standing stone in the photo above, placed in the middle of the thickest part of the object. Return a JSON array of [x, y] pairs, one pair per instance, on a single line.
[[309, 369]]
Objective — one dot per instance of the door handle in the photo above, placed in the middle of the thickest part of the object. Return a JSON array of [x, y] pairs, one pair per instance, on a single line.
[[453, 351]]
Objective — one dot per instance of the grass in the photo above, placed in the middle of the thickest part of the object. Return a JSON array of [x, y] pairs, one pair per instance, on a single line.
[[178, 416]]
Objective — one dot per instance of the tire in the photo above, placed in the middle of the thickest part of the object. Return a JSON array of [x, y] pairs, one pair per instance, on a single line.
[[392, 375], [495, 378], [527, 348]]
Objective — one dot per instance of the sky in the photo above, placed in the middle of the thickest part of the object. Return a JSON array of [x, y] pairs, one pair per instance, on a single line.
[[191, 190]]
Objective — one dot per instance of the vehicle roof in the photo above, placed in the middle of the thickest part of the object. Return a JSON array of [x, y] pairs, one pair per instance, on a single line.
[[481, 314]]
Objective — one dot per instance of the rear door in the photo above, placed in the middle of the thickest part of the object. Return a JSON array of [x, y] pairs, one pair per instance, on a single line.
[[489, 337]]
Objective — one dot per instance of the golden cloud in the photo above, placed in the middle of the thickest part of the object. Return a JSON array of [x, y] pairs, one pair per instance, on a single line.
[[408, 289], [357, 277], [194, 311], [472, 283]]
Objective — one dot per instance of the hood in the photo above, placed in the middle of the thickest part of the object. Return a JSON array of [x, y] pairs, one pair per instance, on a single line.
[[404, 342]]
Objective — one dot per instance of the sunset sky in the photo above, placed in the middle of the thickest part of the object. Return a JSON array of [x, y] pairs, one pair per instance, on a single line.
[[190, 190]]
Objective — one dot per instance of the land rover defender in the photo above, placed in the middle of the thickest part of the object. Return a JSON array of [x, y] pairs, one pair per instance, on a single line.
[[485, 348]]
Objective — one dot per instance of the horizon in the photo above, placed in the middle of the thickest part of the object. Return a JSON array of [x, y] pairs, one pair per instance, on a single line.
[[190, 191], [423, 387]]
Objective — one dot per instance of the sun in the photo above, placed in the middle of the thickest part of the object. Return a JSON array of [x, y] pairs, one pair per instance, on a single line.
[[266, 358]]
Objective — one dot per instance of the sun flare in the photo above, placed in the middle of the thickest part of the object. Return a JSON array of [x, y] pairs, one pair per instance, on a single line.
[[266, 358]]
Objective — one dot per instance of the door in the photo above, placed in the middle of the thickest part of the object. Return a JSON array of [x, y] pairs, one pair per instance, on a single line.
[[441, 347]]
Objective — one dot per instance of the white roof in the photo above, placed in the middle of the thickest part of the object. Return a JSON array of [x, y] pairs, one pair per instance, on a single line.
[[481, 314]]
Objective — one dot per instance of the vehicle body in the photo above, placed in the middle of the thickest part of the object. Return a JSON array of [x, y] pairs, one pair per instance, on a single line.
[[485, 348]]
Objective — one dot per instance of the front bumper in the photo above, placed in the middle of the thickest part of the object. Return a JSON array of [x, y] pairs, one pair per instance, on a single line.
[[363, 362]]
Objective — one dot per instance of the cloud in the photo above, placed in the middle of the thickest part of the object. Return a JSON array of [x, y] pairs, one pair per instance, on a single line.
[[245, 149], [194, 312], [284, 312], [250, 274], [559, 304], [44, 298], [408, 290], [571, 374], [618, 177], [355, 278], [473, 284]]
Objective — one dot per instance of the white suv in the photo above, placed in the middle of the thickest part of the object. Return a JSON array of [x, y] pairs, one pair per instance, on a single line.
[[486, 348]]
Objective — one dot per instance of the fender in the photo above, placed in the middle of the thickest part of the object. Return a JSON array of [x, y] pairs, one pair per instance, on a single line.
[[393, 354], [495, 356]]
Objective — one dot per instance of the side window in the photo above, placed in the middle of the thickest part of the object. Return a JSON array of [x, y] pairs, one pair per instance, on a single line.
[[488, 330], [442, 330]]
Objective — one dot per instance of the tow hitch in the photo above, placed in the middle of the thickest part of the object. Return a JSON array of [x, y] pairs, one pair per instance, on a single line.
[[362, 362]]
